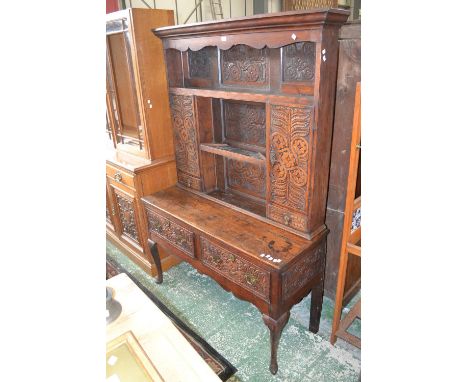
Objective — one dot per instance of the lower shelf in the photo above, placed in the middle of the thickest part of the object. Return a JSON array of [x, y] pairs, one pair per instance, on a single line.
[[239, 201]]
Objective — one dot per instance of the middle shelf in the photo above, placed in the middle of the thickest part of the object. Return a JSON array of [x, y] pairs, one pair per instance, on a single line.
[[236, 153]]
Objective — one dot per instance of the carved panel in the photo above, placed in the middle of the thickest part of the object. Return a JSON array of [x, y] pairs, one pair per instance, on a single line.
[[127, 216], [298, 62], [185, 134], [172, 232], [199, 63], [288, 218], [290, 152], [246, 177], [236, 269], [303, 271], [243, 65], [245, 122], [108, 216]]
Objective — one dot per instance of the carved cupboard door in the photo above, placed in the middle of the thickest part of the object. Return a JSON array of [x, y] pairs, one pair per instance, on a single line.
[[126, 214], [289, 153]]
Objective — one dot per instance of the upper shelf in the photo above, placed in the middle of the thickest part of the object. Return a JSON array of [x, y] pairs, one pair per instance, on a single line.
[[233, 152], [244, 96]]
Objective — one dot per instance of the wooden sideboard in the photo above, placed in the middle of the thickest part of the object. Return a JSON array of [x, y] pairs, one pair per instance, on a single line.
[[140, 157], [252, 108]]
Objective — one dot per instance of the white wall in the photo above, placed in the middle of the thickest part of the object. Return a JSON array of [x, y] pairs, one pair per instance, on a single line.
[[231, 8]]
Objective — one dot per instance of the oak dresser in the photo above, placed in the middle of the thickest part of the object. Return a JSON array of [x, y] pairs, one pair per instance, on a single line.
[[252, 103]]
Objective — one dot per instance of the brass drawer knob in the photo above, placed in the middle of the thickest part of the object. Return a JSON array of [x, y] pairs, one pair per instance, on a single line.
[[118, 176], [287, 219]]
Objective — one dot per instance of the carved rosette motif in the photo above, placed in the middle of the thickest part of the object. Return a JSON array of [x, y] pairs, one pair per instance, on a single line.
[[236, 269], [172, 232], [245, 122], [299, 62], [244, 65], [127, 216], [303, 272], [290, 155], [199, 63], [247, 176], [185, 134]]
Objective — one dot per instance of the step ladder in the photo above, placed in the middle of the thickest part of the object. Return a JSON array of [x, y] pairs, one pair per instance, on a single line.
[[216, 10]]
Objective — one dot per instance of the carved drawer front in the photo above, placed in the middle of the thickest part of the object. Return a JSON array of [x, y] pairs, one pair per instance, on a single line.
[[189, 181], [120, 177], [126, 212], [172, 232], [236, 269], [288, 218], [303, 271]]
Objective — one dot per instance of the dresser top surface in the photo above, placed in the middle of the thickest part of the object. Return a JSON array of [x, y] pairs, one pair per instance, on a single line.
[[230, 227]]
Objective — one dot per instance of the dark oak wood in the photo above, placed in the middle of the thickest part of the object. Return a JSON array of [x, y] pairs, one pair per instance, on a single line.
[[349, 73], [141, 159], [252, 104], [351, 240]]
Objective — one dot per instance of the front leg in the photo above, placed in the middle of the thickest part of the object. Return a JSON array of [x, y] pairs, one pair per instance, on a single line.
[[276, 327], [316, 302], [157, 260]]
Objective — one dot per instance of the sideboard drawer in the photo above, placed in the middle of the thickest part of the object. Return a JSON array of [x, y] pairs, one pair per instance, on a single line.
[[236, 268], [178, 236], [120, 176]]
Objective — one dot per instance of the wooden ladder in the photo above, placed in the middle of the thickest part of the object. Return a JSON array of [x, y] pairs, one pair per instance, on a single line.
[[216, 9], [351, 240]]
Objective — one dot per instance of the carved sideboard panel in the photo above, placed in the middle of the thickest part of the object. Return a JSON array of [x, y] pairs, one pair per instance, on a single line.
[[236, 269], [185, 134], [199, 63], [126, 209], [245, 122], [172, 232], [299, 62], [303, 272], [243, 65], [247, 177], [290, 153]]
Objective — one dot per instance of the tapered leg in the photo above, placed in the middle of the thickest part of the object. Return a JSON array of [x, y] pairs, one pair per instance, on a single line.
[[276, 327], [316, 306], [157, 260]]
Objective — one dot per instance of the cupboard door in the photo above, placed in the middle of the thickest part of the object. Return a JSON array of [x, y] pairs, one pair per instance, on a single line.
[[126, 214]]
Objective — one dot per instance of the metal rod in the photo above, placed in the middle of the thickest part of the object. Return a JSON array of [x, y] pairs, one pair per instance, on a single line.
[[147, 5], [176, 12]]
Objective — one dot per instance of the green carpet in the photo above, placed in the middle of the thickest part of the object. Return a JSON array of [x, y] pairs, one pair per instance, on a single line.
[[236, 330]]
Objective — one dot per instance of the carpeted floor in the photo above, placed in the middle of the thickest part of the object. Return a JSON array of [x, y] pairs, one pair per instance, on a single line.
[[236, 330]]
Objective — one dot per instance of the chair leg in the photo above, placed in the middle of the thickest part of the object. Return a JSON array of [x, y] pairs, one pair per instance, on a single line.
[[276, 327], [157, 260]]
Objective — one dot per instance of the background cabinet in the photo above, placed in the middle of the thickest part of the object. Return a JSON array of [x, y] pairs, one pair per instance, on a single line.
[[140, 158]]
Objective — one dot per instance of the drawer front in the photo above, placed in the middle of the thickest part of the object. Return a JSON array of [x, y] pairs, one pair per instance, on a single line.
[[287, 218], [172, 232], [120, 176], [189, 181], [236, 269]]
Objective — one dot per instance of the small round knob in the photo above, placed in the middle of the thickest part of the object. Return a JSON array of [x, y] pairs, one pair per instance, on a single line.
[[118, 176], [287, 219]]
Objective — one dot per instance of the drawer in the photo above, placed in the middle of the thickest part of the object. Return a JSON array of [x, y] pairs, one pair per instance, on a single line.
[[236, 268], [178, 236], [120, 176], [287, 218]]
